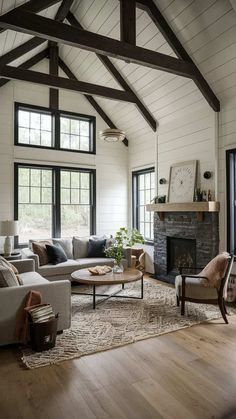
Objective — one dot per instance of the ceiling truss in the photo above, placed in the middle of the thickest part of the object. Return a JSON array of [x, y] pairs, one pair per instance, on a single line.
[[24, 19]]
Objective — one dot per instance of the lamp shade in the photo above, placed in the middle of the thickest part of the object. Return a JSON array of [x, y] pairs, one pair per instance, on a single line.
[[9, 228]]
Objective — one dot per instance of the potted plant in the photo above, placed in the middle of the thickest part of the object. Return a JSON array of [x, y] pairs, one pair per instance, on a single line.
[[123, 238]]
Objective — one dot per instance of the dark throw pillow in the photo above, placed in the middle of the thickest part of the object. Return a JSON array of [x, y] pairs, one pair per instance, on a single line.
[[56, 253], [96, 248]]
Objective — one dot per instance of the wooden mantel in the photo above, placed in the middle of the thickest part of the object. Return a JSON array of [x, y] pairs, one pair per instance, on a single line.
[[198, 207]]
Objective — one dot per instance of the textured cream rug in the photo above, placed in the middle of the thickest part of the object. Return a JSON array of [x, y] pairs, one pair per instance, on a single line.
[[117, 322]]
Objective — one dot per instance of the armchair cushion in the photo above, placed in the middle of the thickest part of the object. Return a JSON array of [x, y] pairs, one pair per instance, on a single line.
[[195, 289]]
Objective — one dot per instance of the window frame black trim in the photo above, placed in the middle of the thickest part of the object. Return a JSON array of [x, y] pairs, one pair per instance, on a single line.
[[56, 207], [135, 218], [56, 114]]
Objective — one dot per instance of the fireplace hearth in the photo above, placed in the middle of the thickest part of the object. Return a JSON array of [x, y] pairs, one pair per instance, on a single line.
[[180, 253], [183, 239]]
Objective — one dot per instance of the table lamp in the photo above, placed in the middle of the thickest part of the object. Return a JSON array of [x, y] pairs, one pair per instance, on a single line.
[[8, 229]]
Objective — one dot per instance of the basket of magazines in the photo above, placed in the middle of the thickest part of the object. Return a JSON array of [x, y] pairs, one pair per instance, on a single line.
[[43, 327]]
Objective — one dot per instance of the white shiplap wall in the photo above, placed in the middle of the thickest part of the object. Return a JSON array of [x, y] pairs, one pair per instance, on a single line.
[[207, 29], [110, 161]]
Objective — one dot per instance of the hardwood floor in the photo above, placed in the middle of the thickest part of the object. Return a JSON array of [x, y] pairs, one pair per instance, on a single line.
[[186, 374]]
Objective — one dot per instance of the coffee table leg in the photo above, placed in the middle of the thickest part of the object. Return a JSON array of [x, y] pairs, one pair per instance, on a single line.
[[142, 287], [94, 297]]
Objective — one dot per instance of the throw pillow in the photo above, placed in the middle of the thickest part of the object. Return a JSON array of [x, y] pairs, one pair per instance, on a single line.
[[215, 270], [6, 264], [66, 245], [39, 248], [80, 246], [56, 253], [96, 248], [7, 277]]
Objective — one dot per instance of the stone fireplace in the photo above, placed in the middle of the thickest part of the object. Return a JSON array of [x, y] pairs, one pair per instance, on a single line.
[[181, 238]]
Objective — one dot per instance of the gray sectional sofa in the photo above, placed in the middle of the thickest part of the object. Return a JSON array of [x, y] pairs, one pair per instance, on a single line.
[[76, 250], [12, 300]]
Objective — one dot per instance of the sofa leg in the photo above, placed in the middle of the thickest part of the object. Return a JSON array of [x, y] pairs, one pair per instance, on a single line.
[[182, 306], [59, 332]]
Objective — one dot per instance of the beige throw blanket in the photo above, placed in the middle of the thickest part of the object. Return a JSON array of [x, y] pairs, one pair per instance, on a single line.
[[215, 270]]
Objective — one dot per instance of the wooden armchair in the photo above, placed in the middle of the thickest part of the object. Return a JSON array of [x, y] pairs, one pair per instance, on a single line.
[[191, 288], [138, 259]]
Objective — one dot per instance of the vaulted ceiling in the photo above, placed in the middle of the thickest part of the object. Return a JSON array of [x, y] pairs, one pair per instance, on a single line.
[[206, 29]]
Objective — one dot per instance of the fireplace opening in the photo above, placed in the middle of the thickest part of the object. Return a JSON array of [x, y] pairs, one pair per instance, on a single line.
[[180, 252]]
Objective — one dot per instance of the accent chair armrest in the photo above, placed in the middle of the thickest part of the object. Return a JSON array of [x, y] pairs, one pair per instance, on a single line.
[[28, 254], [24, 265]]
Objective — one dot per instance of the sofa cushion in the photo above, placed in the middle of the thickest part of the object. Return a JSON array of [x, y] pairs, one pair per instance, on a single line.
[[29, 278], [7, 277], [39, 248], [56, 253], [89, 262], [96, 248], [66, 245], [63, 268], [80, 247]]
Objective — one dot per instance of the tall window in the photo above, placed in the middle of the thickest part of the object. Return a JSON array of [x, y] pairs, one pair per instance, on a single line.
[[143, 193], [35, 202], [75, 203], [231, 200], [54, 202], [60, 130]]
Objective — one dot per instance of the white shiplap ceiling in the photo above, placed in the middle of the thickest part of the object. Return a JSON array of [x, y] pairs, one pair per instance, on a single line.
[[206, 28]]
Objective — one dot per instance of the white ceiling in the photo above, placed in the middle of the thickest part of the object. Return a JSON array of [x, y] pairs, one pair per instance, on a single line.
[[206, 28]]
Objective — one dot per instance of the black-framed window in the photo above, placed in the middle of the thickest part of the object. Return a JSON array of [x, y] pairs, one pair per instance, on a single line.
[[49, 128], [52, 201], [231, 200], [35, 128], [75, 133], [143, 192]]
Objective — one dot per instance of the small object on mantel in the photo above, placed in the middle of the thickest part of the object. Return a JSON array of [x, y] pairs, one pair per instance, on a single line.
[[100, 270]]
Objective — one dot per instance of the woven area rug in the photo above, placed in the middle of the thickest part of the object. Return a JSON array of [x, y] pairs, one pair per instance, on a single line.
[[117, 322]]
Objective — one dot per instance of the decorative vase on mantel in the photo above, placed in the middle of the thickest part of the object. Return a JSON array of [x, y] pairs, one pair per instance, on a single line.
[[118, 268]]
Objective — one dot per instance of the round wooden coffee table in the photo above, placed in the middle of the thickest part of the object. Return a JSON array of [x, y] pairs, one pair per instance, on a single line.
[[83, 276]]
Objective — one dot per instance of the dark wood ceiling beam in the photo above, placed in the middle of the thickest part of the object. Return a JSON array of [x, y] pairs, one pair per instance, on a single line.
[[28, 64], [26, 22], [90, 99], [21, 50], [53, 70], [63, 10], [118, 77], [35, 42], [150, 7], [63, 83], [34, 6], [128, 21]]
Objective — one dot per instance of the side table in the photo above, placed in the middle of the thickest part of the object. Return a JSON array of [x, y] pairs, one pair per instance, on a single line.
[[16, 255]]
